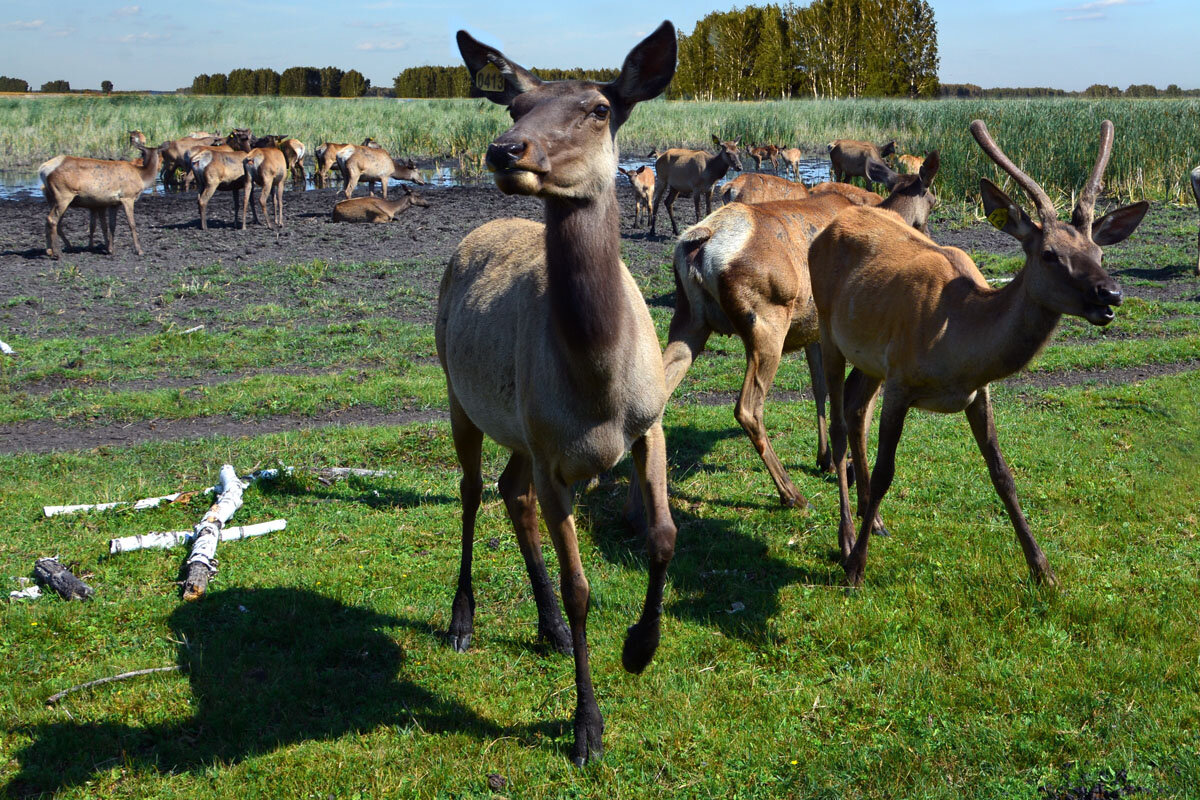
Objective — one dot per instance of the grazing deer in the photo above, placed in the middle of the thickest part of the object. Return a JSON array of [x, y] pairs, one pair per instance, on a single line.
[[921, 321], [792, 157], [97, 185], [642, 181], [376, 209], [373, 163], [744, 270], [1195, 176], [549, 349], [753, 187], [765, 152], [849, 157], [691, 172], [220, 168], [293, 151], [265, 167]]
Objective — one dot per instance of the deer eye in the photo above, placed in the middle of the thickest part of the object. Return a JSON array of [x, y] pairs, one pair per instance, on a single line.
[[600, 111], [1050, 257]]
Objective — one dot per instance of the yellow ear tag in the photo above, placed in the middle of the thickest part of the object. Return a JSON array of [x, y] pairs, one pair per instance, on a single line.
[[998, 218], [489, 79]]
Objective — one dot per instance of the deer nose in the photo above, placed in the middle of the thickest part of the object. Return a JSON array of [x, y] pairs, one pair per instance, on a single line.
[[1109, 295], [503, 155]]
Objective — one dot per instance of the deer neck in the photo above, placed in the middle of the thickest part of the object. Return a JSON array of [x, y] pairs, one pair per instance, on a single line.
[[1012, 329], [149, 169], [394, 207], [585, 275], [715, 169]]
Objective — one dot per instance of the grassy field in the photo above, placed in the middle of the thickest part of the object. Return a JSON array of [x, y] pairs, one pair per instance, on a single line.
[[316, 667], [1156, 140]]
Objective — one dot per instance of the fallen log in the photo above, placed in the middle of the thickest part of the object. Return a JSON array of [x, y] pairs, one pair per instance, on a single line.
[[54, 698], [49, 572], [8, 351], [163, 540], [202, 563]]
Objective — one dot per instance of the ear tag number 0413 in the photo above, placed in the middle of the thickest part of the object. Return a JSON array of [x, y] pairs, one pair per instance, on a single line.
[[489, 79], [998, 218]]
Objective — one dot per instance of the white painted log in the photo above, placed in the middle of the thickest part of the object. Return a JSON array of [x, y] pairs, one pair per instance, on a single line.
[[163, 540], [8, 351]]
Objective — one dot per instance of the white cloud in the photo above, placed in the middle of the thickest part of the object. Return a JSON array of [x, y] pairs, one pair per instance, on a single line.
[[1095, 9], [383, 46], [127, 11], [1084, 17], [144, 36], [18, 25], [61, 33]]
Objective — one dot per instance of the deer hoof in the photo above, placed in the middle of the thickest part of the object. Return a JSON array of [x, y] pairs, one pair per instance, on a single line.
[[589, 728]]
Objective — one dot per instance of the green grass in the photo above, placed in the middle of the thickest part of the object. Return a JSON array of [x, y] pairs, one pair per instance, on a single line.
[[1054, 140]]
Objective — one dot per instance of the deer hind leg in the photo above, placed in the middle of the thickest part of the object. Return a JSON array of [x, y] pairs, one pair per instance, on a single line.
[[556, 500], [279, 200], [350, 179], [264, 193], [670, 202], [859, 401], [983, 426], [650, 469], [468, 444], [108, 225], [660, 189], [891, 426], [764, 340], [816, 373], [834, 364], [127, 204], [516, 487], [52, 224]]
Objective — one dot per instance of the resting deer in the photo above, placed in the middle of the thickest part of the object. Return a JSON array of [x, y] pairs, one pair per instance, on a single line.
[[642, 181], [375, 209], [96, 185], [373, 163], [849, 157], [921, 321], [765, 152], [855, 194], [691, 172], [220, 168], [265, 167], [1195, 176], [754, 187], [549, 349], [744, 270]]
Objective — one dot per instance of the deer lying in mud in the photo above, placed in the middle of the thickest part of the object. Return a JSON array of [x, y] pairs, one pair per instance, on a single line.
[[849, 157], [549, 349], [744, 270], [754, 187], [376, 209], [265, 167], [642, 181], [765, 152], [691, 172], [1195, 177], [220, 168], [96, 185], [921, 321], [373, 164]]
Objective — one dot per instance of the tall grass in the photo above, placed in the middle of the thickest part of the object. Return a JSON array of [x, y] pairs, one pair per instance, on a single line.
[[1053, 139]]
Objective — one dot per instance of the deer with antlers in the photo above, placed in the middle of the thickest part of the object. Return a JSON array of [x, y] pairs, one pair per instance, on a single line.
[[744, 270], [549, 349], [920, 321]]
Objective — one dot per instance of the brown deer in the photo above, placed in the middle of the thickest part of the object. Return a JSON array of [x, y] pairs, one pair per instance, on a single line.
[[373, 163], [921, 321], [175, 157], [792, 157], [293, 151], [96, 185], [765, 152], [1195, 176], [849, 157], [375, 209], [744, 270], [137, 140], [908, 164], [691, 172], [265, 167], [642, 181], [549, 349], [855, 194], [753, 187], [220, 168]]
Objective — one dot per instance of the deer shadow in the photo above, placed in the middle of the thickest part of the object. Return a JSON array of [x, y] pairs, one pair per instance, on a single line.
[[268, 668], [389, 498]]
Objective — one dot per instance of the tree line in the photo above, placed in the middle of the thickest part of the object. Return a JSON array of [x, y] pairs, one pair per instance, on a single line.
[[456, 81], [1096, 90], [293, 81]]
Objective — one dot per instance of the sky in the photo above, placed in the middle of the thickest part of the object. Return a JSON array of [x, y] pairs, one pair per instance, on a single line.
[[145, 44]]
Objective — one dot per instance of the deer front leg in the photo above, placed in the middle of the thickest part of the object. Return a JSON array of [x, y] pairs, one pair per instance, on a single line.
[[246, 190], [520, 499], [556, 500], [670, 201], [264, 192], [468, 443], [127, 204], [650, 469], [660, 189], [859, 401], [834, 364], [983, 426]]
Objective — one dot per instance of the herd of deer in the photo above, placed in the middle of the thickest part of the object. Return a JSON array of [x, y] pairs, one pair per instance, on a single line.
[[236, 163]]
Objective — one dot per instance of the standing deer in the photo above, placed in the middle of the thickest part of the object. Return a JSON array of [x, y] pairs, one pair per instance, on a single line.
[[765, 152], [792, 157], [744, 270], [848, 157], [373, 163], [1196, 192], [549, 349], [265, 167], [293, 151], [909, 164], [96, 185], [642, 181], [691, 172], [754, 187], [921, 321], [220, 168]]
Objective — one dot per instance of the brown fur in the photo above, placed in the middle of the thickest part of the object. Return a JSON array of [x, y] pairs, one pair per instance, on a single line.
[[856, 195], [374, 209], [373, 163], [691, 173], [792, 156], [293, 151], [909, 164], [756, 188], [765, 152], [220, 168], [921, 321], [1195, 178], [265, 167], [849, 157], [549, 349], [642, 181]]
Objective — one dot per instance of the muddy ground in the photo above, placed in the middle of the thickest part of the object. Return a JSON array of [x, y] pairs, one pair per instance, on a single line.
[[89, 293]]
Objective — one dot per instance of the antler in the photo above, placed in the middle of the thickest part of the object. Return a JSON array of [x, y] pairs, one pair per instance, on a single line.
[[1081, 218], [1044, 205]]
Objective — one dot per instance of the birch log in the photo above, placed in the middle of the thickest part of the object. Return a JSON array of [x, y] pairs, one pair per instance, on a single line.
[[50, 572], [202, 563], [163, 540], [138, 505], [8, 351]]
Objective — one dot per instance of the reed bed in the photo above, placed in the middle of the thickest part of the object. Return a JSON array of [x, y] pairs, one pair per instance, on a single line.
[[1157, 144]]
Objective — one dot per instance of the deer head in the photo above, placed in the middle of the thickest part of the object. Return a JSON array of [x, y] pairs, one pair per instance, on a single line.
[[1062, 260], [728, 152], [563, 139], [911, 196]]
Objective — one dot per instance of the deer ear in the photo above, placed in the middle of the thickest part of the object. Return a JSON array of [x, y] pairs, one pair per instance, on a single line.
[[929, 168], [880, 172], [888, 149], [1003, 213], [1115, 226], [716, 140], [647, 70], [492, 75]]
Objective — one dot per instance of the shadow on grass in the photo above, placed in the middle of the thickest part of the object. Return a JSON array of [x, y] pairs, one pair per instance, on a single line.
[[354, 490], [1166, 273], [268, 668]]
